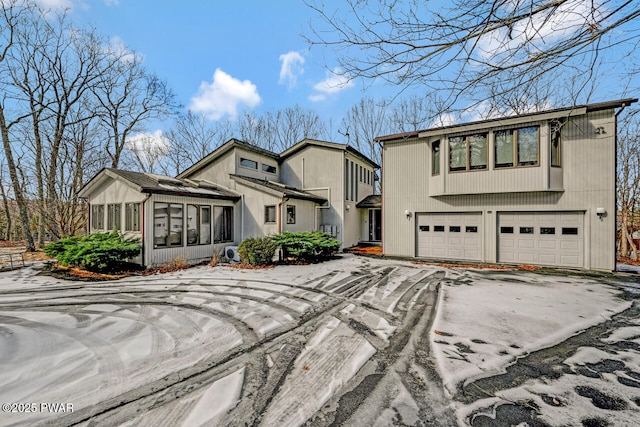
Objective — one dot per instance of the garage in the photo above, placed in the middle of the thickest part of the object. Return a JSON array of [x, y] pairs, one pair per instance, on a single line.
[[545, 238], [449, 235]]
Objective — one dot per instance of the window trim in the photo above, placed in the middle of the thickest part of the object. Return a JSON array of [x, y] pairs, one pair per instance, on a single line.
[[435, 152], [467, 141], [292, 208], [97, 217], [515, 163], [245, 159], [555, 135], [230, 225], [169, 224], [132, 212], [114, 220], [266, 214], [266, 166]]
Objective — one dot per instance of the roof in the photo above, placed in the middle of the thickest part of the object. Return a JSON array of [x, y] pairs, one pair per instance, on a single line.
[[277, 188], [371, 201], [541, 115], [221, 150], [159, 184], [326, 144]]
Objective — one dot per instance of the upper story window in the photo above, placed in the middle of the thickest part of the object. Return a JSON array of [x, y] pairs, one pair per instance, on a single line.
[[517, 147], [435, 158], [268, 168], [248, 163], [468, 152], [270, 213], [555, 128]]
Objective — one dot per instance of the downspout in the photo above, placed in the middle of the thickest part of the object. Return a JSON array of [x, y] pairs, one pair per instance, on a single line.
[[144, 201], [279, 218], [615, 189], [242, 218]]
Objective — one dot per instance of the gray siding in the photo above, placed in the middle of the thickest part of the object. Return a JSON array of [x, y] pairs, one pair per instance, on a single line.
[[584, 182]]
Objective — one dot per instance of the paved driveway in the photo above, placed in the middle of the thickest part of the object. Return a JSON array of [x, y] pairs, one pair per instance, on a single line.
[[347, 342]]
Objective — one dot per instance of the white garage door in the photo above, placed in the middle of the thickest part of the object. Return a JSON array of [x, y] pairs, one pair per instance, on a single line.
[[449, 235], [546, 238]]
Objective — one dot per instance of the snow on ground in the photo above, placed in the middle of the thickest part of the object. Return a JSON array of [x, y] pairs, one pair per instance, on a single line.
[[484, 324], [333, 355]]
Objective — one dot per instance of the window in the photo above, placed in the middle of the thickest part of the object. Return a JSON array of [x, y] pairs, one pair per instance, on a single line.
[[526, 230], [193, 225], [270, 213], [435, 158], [547, 230], [438, 228], [555, 128], [570, 231], [356, 184], [205, 225], [522, 152], [454, 228], [353, 181], [471, 229], [346, 179], [223, 221], [97, 217], [291, 214], [360, 174], [506, 230], [468, 152], [424, 228], [247, 163], [167, 224], [114, 216], [269, 168], [132, 217]]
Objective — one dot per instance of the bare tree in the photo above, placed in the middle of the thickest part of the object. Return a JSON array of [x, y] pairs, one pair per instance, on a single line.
[[364, 122], [128, 96], [293, 124], [192, 138], [11, 18], [462, 47], [628, 185]]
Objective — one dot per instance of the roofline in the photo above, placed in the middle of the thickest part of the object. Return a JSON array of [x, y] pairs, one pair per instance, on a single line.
[[109, 173], [188, 194], [230, 144], [327, 144], [576, 110], [274, 192]]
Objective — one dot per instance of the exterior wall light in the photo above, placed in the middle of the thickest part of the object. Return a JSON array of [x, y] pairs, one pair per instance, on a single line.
[[601, 212], [407, 213]]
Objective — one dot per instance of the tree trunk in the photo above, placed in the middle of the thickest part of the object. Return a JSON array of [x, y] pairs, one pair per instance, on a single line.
[[20, 200], [7, 212]]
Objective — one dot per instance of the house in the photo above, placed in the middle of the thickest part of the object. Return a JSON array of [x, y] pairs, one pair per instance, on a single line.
[[237, 191], [530, 189]]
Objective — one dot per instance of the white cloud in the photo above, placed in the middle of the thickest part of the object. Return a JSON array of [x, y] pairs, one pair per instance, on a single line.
[[118, 49], [334, 83], [223, 96], [540, 30], [55, 4], [149, 148], [445, 119], [112, 2], [291, 68]]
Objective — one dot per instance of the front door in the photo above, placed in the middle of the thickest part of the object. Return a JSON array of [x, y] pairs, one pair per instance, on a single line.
[[375, 225]]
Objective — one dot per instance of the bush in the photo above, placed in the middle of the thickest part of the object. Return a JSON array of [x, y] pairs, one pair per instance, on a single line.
[[307, 245], [99, 252], [257, 250]]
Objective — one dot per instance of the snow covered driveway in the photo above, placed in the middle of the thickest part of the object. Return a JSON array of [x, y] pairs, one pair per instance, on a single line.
[[354, 341]]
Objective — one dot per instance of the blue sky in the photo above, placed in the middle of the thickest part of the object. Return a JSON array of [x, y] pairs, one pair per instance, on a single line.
[[222, 57]]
